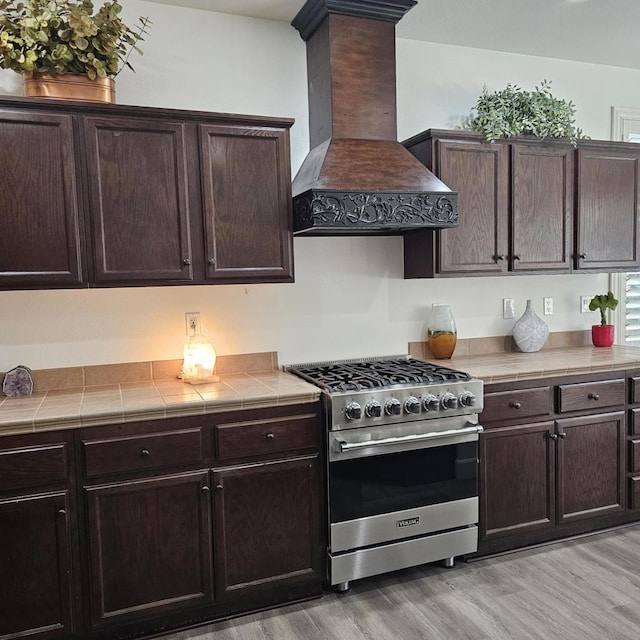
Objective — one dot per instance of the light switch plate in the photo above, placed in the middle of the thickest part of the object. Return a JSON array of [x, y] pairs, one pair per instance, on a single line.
[[548, 306], [584, 304], [508, 308]]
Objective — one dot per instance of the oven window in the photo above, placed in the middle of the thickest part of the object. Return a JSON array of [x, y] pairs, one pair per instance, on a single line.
[[381, 484]]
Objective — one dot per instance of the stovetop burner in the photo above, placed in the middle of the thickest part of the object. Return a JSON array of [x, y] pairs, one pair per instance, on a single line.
[[375, 374]]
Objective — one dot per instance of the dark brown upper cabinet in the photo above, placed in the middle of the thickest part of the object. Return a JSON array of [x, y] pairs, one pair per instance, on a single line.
[[515, 202], [607, 206], [40, 244], [151, 196]]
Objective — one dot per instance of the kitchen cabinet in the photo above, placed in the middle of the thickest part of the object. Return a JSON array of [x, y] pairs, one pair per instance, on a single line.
[[41, 242], [607, 206], [552, 460], [633, 443], [38, 545], [151, 196], [515, 206], [199, 517]]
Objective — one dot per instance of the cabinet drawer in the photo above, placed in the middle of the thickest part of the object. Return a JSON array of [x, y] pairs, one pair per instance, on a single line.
[[590, 395], [634, 456], [511, 405], [635, 389], [260, 437], [32, 466], [634, 492], [144, 451], [634, 422]]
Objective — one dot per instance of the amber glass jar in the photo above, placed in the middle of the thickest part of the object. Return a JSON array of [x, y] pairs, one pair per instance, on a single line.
[[442, 334]]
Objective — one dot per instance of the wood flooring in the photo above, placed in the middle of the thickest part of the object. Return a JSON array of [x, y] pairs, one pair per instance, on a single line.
[[583, 589]]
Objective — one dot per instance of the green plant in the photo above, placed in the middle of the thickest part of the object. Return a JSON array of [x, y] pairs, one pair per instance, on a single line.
[[42, 36], [514, 112], [601, 303]]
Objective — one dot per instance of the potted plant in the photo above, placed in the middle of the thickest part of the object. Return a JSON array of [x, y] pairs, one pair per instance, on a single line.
[[602, 334], [66, 41], [514, 112]]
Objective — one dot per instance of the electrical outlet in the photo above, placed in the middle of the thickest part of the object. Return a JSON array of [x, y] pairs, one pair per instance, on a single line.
[[548, 306], [584, 304], [508, 308], [192, 322]]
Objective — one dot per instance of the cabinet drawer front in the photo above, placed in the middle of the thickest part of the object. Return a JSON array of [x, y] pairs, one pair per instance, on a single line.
[[140, 452], [635, 389], [260, 437], [634, 493], [634, 452], [511, 405], [32, 466], [591, 395], [634, 422]]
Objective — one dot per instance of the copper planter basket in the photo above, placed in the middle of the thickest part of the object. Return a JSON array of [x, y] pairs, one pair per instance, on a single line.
[[70, 87]]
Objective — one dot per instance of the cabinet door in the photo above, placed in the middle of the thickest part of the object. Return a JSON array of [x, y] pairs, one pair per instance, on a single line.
[[541, 207], [266, 525], [40, 240], [591, 466], [607, 208], [139, 212], [247, 203], [35, 565], [517, 480], [478, 171], [149, 546]]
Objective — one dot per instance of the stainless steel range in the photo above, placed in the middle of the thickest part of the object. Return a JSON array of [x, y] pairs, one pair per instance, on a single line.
[[402, 463]]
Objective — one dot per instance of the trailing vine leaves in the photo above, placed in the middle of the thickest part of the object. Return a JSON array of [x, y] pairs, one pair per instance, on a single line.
[[515, 112]]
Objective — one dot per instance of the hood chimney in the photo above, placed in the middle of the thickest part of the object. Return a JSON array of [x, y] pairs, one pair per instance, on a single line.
[[357, 179]]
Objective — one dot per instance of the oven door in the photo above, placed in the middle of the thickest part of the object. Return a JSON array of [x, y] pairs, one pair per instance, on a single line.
[[394, 483]]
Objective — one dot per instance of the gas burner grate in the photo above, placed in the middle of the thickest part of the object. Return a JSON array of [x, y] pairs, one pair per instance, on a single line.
[[353, 375]]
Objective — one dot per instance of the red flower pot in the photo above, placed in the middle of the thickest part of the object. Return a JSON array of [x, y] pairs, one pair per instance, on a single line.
[[602, 335]]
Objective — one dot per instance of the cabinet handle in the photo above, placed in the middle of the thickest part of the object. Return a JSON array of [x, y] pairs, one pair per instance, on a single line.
[[553, 436], [186, 262], [205, 489], [562, 435], [219, 487], [515, 405], [145, 453], [62, 512], [594, 396], [269, 436], [499, 257], [582, 256], [516, 257], [212, 262]]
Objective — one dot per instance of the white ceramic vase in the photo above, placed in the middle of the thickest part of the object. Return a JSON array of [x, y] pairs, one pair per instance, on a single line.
[[530, 331]]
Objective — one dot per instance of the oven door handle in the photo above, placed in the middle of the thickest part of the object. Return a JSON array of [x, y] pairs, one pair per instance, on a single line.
[[343, 445]]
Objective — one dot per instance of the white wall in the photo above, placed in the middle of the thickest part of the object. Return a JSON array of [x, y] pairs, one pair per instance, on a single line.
[[349, 298]]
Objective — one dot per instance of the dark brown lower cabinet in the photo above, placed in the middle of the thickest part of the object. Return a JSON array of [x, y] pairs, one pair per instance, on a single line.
[[149, 546], [517, 480], [591, 471], [35, 567], [266, 525]]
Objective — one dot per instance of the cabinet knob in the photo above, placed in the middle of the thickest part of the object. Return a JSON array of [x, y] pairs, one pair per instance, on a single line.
[[562, 435], [219, 487], [594, 396], [582, 256], [515, 405], [62, 512], [499, 257], [145, 453], [269, 436], [516, 257], [212, 262], [186, 262], [553, 436], [205, 489]]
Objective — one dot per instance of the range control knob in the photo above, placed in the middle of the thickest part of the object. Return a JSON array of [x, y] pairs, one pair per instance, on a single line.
[[353, 411], [467, 399], [449, 401], [393, 407], [373, 409], [412, 405], [431, 402]]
